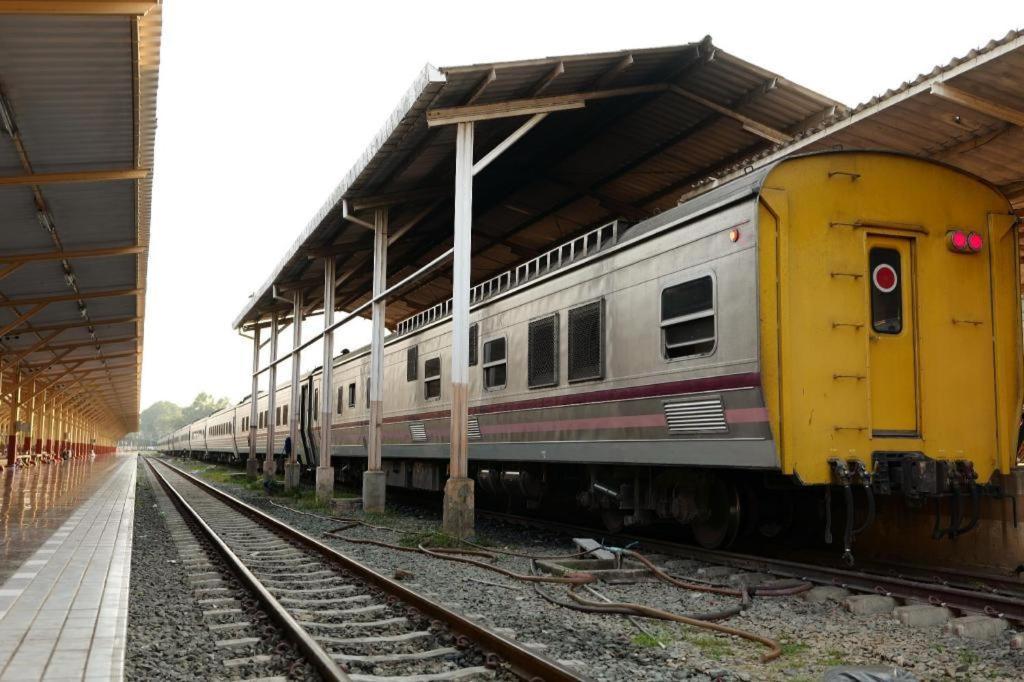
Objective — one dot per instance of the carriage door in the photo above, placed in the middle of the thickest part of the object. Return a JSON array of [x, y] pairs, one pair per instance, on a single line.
[[892, 347]]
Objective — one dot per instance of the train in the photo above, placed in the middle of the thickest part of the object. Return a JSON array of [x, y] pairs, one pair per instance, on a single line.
[[833, 326]]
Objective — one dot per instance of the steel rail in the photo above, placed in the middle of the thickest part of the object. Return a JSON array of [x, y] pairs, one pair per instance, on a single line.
[[313, 651], [957, 598], [523, 662]]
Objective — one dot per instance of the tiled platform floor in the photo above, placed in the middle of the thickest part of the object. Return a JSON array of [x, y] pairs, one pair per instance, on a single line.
[[35, 501], [64, 612]]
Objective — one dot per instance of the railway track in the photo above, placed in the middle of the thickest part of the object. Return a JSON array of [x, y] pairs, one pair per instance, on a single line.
[[963, 592], [348, 621]]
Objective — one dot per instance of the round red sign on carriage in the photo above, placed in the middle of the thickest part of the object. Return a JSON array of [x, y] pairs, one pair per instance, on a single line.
[[884, 278]]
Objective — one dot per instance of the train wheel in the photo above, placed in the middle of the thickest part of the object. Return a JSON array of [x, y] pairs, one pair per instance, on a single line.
[[722, 522]]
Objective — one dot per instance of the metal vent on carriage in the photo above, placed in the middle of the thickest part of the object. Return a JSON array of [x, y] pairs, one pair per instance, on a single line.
[[706, 415], [418, 432], [474, 428]]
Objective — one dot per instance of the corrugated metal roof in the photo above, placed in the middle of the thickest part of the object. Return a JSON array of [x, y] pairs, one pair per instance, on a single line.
[[81, 90], [627, 156], [981, 138]]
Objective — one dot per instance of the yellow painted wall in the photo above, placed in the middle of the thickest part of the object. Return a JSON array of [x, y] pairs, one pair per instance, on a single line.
[[818, 216]]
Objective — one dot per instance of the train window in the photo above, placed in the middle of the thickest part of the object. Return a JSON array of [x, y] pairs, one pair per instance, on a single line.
[[341, 397], [284, 415], [886, 291], [316, 404], [367, 392], [495, 364], [688, 319], [412, 363], [474, 341], [586, 334], [542, 354], [432, 378], [352, 394], [277, 417]]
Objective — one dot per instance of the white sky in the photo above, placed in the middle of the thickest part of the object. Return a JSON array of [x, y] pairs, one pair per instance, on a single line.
[[263, 107]]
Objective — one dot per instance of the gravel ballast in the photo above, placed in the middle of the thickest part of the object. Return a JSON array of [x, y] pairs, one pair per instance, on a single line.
[[169, 636], [814, 636]]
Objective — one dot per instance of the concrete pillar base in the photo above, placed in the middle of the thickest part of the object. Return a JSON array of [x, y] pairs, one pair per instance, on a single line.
[[374, 491], [325, 483], [269, 468], [458, 517], [292, 474], [252, 468]]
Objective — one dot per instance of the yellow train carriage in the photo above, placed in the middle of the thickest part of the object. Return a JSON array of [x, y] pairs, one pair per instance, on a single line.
[[890, 322]]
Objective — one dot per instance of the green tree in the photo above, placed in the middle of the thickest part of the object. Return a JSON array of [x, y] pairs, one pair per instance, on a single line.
[[163, 417]]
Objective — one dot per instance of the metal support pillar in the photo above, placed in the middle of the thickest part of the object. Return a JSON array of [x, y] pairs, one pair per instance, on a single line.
[[325, 472], [459, 502], [30, 420], [12, 428], [292, 470], [374, 480], [252, 464], [40, 424], [269, 463]]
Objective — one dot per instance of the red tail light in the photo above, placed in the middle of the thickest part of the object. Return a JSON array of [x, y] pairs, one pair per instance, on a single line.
[[974, 242], [956, 240]]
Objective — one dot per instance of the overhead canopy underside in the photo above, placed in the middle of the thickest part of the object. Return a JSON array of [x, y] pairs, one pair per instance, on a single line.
[[77, 125], [628, 153], [651, 123]]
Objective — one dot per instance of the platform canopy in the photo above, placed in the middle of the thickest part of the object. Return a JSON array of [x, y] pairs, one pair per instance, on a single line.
[[968, 113], [78, 82], [625, 133]]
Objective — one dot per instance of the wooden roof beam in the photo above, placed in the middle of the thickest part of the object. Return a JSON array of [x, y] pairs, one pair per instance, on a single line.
[[530, 106], [57, 298], [979, 104], [749, 124], [74, 176], [542, 85], [481, 86], [21, 258], [80, 7], [78, 324]]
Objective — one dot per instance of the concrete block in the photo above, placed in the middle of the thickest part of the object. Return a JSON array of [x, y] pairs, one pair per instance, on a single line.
[[976, 627], [458, 517], [374, 491], [1017, 641], [252, 468], [822, 593], [346, 505], [269, 468], [325, 483], [750, 579], [715, 571], [683, 564], [922, 615], [292, 476], [869, 604]]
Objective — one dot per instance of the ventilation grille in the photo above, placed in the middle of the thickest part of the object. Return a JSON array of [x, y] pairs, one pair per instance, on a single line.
[[585, 342], [473, 428], [418, 432], [474, 343], [696, 416], [542, 361], [412, 361]]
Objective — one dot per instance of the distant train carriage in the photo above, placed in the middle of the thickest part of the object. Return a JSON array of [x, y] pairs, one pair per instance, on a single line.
[[841, 318]]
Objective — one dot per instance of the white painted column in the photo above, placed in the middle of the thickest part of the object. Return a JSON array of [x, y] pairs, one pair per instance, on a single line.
[[458, 517], [251, 465], [292, 470], [374, 481], [269, 463], [325, 472]]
